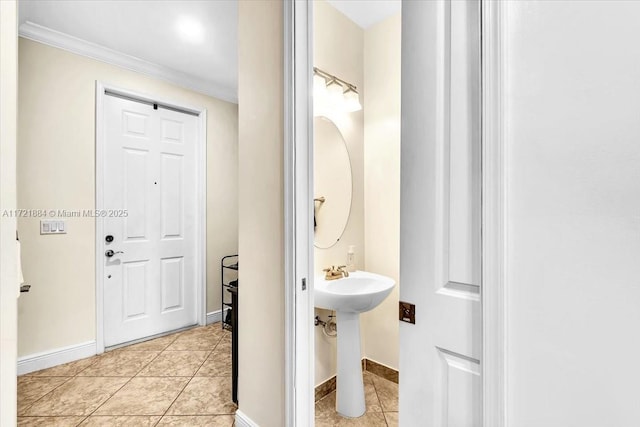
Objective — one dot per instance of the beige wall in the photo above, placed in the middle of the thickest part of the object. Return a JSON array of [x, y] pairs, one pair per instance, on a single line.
[[380, 326], [261, 201], [56, 170], [371, 60], [338, 49], [8, 282]]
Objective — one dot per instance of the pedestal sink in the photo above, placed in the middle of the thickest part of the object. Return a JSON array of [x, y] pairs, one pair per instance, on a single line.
[[350, 296]]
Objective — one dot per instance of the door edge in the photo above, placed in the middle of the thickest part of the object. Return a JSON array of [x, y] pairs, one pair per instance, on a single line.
[[494, 227]]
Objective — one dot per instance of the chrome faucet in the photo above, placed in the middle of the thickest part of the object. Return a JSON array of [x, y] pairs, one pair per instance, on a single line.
[[334, 273]]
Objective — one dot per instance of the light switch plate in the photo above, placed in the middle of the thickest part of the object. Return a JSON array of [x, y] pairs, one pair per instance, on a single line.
[[53, 226]]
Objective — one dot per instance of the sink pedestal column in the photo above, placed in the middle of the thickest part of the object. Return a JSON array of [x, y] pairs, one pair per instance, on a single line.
[[350, 388]]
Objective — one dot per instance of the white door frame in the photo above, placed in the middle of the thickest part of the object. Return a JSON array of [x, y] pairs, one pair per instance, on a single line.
[[298, 212], [9, 286], [299, 312], [200, 208]]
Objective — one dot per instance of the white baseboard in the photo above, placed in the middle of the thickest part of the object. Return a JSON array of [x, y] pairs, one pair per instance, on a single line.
[[215, 316], [243, 421], [48, 359]]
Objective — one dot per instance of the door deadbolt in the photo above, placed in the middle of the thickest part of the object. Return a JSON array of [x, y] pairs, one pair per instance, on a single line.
[[109, 238], [111, 253]]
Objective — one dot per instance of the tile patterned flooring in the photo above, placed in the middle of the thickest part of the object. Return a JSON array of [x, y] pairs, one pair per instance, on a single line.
[[182, 379]]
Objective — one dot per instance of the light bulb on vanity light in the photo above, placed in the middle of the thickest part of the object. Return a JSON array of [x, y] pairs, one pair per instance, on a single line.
[[351, 101], [334, 95], [320, 96], [319, 86]]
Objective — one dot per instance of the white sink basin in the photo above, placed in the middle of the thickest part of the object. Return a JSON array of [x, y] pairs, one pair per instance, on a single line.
[[360, 292]]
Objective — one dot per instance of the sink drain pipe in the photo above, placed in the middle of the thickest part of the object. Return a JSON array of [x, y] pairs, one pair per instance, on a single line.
[[329, 328]]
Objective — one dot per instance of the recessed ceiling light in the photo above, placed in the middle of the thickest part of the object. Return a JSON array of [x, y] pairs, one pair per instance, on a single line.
[[190, 29]]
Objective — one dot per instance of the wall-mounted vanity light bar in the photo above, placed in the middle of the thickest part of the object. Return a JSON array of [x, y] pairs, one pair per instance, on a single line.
[[333, 95]]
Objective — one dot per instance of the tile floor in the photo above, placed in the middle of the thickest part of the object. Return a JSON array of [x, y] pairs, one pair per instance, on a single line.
[[381, 397], [183, 379]]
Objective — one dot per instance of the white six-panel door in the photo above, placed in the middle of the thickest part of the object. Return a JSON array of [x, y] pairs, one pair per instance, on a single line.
[[440, 271], [150, 201]]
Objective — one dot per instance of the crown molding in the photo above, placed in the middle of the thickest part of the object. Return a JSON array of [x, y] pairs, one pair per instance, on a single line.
[[45, 35]]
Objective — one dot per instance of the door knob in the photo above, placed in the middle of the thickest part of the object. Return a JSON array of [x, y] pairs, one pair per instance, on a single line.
[[111, 253]]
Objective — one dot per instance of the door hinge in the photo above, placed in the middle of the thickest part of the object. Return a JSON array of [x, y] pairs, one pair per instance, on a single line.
[[304, 283]]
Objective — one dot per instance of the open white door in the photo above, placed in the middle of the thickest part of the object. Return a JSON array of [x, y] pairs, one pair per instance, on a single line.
[[440, 249]]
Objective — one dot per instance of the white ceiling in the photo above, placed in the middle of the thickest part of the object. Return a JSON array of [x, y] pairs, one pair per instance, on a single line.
[[365, 13], [150, 30]]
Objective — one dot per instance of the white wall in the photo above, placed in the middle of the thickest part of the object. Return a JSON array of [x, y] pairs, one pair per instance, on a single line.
[[338, 45], [56, 170], [382, 183], [261, 201], [8, 282], [573, 155]]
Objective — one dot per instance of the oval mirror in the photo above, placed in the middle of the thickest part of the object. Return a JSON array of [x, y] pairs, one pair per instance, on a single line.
[[332, 183]]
